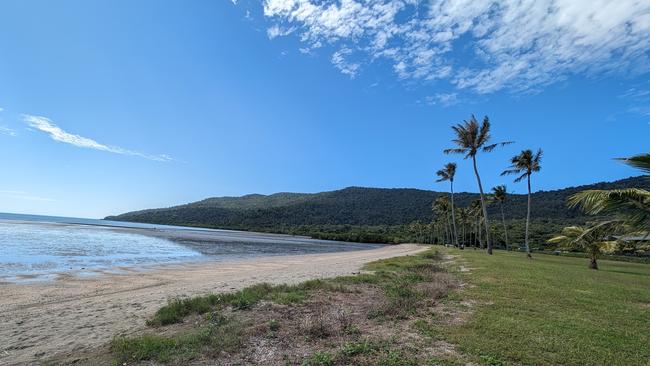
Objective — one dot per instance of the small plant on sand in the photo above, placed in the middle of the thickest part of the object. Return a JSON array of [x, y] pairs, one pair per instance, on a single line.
[[319, 359]]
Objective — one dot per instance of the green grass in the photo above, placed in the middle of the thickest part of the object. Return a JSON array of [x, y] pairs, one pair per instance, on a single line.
[[553, 310], [221, 335], [177, 309]]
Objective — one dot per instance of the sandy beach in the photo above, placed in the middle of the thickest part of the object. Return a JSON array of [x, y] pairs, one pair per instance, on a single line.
[[74, 314]]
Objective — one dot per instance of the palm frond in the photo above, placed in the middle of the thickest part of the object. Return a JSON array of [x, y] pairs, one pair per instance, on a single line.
[[632, 203], [641, 162], [511, 171], [458, 150], [521, 177]]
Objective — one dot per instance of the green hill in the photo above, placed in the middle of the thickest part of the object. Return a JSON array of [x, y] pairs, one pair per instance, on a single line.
[[352, 208]]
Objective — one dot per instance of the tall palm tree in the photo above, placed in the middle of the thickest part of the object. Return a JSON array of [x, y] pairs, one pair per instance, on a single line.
[[447, 173], [501, 194], [470, 140], [632, 204], [525, 164]]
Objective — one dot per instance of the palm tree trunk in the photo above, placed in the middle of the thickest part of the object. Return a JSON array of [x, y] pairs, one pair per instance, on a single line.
[[485, 215], [446, 224], [505, 229], [451, 234], [453, 216], [592, 262], [480, 234], [528, 221]]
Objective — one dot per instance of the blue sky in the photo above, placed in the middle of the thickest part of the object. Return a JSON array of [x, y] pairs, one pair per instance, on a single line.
[[111, 106]]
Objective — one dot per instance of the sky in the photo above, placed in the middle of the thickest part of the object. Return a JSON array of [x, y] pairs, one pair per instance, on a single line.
[[112, 106]]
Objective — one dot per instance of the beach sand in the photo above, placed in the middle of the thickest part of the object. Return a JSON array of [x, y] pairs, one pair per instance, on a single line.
[[74, 314]]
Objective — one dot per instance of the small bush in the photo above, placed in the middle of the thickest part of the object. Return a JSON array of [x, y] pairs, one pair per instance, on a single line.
[[319, 359], [317, 327], [396, 358], [364, 347], [274, 325]]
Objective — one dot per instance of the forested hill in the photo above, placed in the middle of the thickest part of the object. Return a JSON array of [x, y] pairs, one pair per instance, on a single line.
[[350, 206]]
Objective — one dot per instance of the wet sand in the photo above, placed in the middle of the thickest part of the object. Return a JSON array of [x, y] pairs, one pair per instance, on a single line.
[[73, 314]]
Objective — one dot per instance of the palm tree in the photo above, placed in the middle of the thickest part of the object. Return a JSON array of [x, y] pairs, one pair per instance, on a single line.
[[591, 239], [476, 213], [447, 173], [526, 163], [464, 217], [632, 204], [501, 194], [470, 140], [441, 208]]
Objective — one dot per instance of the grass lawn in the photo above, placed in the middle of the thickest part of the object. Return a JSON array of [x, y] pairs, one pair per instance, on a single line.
[[553, 310]]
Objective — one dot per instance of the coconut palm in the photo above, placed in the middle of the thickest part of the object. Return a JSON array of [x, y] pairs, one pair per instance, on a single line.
[[475, 210], [524, 165], [500, 194], [441, 209], [470, 140], [464, 219], [447, 173], [593, 240], [632, 204]]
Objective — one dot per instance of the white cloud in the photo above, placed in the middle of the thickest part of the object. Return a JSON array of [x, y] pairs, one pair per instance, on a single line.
[[277, 31], [639, 100], [340, 62], [1, 109], [7, 131], [56, 133], [482, 45], [444, 99]]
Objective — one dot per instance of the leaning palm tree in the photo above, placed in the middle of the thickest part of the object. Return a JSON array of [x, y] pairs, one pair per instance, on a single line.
[[593, 240], [525, 164], [470, 140], [500, 194], [632, 204], [447, 173]]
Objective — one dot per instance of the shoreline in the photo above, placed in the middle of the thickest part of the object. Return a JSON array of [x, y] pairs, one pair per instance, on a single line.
[[209, 245], [73, 314]]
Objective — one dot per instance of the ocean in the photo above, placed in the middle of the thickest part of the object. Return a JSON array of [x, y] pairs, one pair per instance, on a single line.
[[40, 248]]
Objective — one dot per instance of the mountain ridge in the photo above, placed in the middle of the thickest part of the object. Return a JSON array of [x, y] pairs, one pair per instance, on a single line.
[[352, 205]]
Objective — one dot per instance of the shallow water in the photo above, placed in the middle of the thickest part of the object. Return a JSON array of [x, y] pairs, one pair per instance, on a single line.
[[29, 249], [36, 248]]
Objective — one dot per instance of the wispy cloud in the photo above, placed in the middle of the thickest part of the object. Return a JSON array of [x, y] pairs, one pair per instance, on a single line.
[[277, 31], [443, 99], [639, 100], [7, 131], [56, 133], [1, 109], [24, 196], [481, 45], [340, 62]]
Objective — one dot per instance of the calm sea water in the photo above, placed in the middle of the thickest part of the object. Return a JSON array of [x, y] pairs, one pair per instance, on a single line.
[[34, 248]]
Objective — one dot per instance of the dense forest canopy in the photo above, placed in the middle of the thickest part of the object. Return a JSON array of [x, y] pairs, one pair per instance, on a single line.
[[362, 214]]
